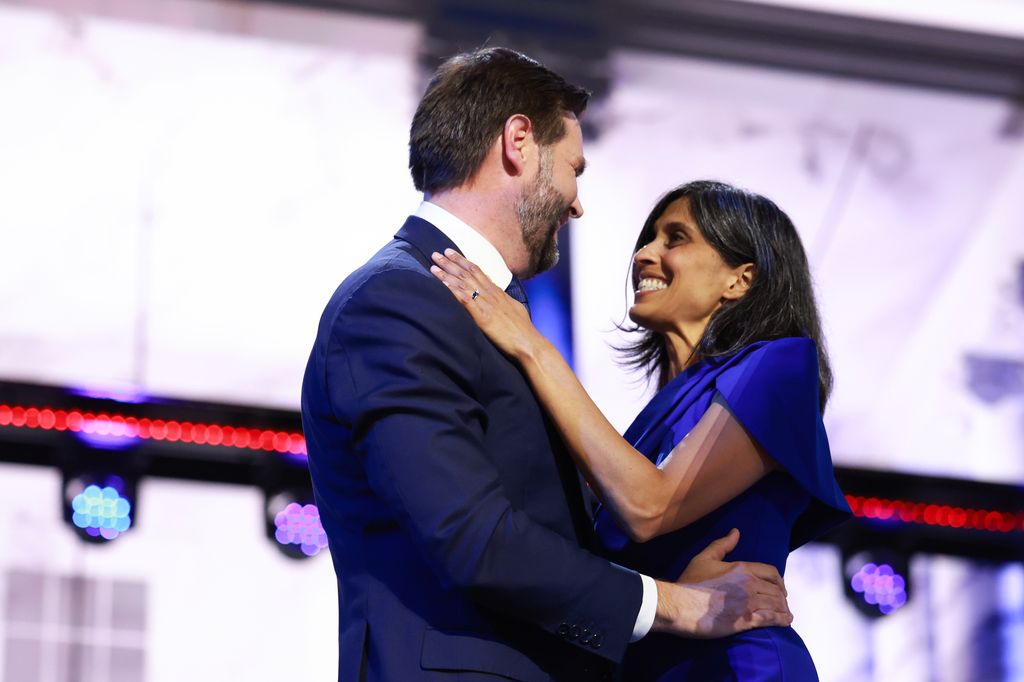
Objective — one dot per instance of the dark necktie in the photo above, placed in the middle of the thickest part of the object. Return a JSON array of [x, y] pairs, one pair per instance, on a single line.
[[515, 290]]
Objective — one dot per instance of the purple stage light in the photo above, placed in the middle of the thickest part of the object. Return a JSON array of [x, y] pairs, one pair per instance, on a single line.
[[107, 434], [129, 393], [879, 585], [299, 525]]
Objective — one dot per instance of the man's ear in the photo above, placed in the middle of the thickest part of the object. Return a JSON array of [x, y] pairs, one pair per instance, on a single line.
[[516, 140], [740, 282]]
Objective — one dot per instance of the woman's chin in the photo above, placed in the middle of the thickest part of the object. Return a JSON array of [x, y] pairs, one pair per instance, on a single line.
[[636, 314]]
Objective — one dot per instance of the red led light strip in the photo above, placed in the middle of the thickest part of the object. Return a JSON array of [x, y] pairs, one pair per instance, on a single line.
[[942, 515], [169, 430]]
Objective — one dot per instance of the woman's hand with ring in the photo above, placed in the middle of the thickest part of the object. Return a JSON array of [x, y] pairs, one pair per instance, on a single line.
[[503, 319]]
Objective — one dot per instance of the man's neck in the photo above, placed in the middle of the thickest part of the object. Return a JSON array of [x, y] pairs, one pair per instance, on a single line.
[[469, 241], [488, 213]]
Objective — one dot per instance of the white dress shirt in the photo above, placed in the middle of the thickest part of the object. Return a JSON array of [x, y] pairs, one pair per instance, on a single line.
[[476, 248], [473, 245]]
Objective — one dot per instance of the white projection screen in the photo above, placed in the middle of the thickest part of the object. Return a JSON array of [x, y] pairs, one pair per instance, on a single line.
[[179, 202]]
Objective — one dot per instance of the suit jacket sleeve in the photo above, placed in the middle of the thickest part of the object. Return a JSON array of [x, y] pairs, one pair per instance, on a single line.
[[400, 366]]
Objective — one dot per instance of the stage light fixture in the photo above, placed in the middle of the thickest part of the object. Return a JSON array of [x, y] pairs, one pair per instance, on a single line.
[[99, 507], [877, 581], [293, 522]]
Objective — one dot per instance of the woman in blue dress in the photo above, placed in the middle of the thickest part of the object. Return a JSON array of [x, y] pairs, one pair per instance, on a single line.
[[732, 440]]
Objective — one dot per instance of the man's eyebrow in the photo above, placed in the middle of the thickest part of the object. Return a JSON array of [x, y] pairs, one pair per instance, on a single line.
[[581, 165]]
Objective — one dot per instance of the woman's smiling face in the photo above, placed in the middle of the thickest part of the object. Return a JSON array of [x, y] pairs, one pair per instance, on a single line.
[[679, 279]]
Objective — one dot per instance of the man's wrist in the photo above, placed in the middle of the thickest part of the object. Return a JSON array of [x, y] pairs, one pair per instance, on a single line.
[[678, 611]]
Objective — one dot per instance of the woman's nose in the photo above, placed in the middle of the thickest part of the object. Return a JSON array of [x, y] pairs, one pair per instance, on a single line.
[[643, 255]]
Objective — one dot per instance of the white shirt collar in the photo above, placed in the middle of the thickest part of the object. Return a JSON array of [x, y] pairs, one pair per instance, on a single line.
[[474, 246]]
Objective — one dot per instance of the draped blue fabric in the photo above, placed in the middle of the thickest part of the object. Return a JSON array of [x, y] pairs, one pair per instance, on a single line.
[[771, 387]]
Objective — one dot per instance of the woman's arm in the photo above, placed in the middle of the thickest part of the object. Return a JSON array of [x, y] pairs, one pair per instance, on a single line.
[[714, 463]]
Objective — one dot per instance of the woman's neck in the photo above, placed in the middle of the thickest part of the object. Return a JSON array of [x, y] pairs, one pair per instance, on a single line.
[[680, 350]]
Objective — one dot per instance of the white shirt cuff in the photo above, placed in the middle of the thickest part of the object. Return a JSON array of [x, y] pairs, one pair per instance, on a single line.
[[648, 609]]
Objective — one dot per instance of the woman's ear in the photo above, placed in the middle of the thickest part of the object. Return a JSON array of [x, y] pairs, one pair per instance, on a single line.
[[516, 138], [740, 282]]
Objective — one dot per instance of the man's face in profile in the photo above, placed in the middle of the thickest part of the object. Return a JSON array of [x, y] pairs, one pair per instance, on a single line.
[[552, 199]]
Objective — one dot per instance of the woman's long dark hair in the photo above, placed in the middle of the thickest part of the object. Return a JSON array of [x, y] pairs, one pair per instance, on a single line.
[[743, 228]]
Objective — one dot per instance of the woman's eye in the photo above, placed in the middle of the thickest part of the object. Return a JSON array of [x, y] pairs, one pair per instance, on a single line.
[[676, 237]]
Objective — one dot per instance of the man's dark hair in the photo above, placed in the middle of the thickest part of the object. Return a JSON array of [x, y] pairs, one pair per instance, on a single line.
[[467, 103], [742, 227]]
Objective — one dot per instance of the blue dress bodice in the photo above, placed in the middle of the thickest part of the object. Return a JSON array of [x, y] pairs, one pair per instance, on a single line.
[[771, 388]]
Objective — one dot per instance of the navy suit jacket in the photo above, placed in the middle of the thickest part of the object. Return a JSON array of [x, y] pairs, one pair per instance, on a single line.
[[452, 510]]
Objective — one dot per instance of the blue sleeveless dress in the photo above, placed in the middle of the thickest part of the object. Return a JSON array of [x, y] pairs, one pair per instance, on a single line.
[[771, 387]]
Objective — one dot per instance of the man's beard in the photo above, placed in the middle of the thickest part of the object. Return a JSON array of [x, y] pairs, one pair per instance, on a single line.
[[540, 210]]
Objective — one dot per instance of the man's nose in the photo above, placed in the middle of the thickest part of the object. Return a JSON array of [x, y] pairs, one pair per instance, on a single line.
[[576, 209]]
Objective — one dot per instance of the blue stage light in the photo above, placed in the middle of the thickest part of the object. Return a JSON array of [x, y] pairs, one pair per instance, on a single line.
[[101, 510]]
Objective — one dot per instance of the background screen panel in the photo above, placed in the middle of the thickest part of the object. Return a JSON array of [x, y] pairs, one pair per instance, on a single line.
[[183, 201]]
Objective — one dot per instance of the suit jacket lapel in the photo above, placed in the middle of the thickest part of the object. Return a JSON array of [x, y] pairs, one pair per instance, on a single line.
[[427, 239]]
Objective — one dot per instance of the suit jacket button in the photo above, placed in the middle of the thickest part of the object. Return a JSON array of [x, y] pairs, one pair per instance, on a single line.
[[574, 632], [596, 640], [563, 629]]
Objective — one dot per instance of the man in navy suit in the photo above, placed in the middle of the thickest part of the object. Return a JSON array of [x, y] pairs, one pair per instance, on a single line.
[[454, 515]]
